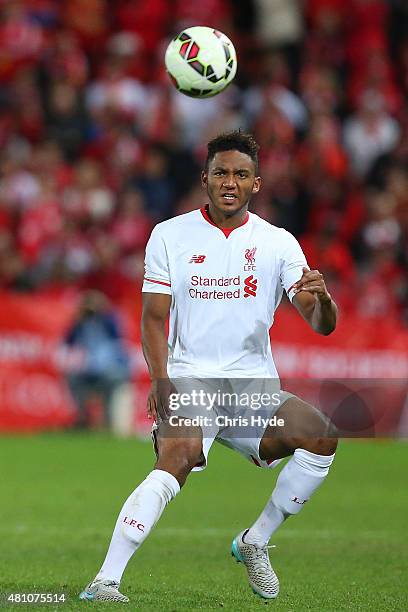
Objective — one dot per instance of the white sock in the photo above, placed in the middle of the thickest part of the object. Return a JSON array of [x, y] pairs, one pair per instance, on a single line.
[[298, 480], [138, 516]]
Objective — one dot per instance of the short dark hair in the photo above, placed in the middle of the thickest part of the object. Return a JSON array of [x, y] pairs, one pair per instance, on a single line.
[[233, 141]]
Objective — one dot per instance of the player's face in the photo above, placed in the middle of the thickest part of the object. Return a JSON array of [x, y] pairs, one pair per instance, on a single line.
[[230, 181]]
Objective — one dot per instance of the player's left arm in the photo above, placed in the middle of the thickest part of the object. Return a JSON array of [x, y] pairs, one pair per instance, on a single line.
[[314, 302]]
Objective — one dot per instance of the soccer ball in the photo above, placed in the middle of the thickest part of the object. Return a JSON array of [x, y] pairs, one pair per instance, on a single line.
[[201, 61]]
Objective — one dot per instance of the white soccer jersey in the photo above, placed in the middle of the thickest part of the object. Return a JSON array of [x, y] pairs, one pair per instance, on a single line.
[[225, 287]]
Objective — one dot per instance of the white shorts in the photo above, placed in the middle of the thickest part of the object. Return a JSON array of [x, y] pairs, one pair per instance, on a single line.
[[234, 412]]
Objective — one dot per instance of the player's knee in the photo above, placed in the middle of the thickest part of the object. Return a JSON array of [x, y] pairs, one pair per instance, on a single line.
[[318, 446], [317, 427], [313, 432], [190, 453], [323, 446], [302, 420], [180, 456]]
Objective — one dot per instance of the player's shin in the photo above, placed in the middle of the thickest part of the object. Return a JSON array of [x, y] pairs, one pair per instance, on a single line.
[[297, 482], [139, 514]]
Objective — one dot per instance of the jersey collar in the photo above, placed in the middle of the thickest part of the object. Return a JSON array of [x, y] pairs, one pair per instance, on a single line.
[[225, 230]]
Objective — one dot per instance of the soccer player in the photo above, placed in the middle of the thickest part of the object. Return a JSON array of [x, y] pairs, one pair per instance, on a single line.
[[220, 273]]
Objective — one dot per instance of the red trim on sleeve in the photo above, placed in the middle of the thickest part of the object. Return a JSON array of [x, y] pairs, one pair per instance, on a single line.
[[225, 230], [150, 280]]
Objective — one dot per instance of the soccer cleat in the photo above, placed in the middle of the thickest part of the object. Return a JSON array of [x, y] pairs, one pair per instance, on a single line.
[[263, 580], [103, 590]]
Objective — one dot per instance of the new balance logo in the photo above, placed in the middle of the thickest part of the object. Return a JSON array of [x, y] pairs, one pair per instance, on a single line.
[[197, 259], [250, 286]]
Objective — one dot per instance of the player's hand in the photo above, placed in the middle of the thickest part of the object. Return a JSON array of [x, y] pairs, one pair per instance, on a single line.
[[313, 281], [158, 399]]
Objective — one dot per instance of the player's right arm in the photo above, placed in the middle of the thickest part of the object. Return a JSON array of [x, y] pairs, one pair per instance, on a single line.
[[156, 307], [157, 295]]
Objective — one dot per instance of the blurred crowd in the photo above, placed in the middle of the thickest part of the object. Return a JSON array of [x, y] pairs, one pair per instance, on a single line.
[[96, 146]]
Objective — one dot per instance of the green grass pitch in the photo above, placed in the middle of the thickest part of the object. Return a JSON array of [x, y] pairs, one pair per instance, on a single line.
[[60, 496]]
